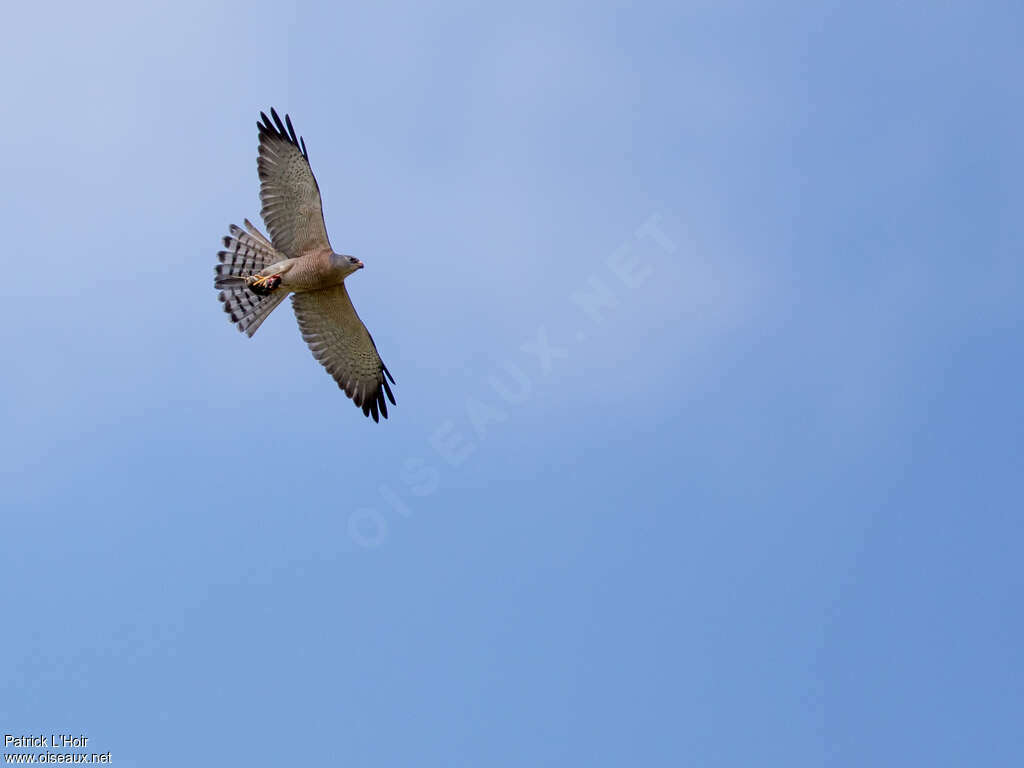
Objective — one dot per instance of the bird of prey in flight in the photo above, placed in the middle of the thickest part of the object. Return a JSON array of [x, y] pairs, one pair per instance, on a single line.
[[256, 274]]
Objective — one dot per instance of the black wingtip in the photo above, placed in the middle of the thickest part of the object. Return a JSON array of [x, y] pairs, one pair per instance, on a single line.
[[273, 126], [388, 391], [278, 123]]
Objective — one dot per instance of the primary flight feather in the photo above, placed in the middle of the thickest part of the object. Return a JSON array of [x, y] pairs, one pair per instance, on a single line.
[[256, 274]]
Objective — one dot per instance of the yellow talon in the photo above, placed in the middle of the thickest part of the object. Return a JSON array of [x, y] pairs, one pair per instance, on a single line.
[[263, 285]]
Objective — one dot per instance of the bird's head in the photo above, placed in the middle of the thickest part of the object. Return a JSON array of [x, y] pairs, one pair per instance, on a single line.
[[345, 264]]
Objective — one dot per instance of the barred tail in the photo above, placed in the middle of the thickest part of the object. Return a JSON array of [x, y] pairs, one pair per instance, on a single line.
[[247, 310], [246, 253]]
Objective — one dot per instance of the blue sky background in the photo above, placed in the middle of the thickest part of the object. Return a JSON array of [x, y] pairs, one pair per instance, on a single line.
[[765, 508]]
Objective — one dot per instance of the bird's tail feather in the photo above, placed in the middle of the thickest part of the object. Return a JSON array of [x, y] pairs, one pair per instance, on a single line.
[[247, 310], [245, 253]]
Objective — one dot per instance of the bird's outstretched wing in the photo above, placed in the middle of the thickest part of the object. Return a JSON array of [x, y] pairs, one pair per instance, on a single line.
[[289, 193], [340, 341]]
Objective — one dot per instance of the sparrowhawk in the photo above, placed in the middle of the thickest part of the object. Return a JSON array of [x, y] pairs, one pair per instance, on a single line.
[[256, 274]]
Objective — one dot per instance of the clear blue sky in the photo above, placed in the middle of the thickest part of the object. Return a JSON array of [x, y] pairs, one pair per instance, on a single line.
[[706, 321]]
